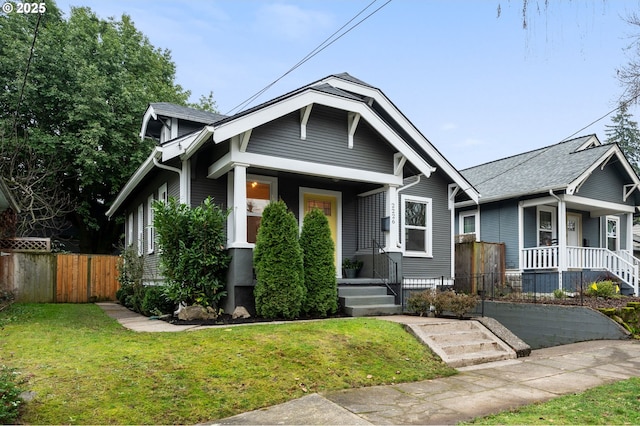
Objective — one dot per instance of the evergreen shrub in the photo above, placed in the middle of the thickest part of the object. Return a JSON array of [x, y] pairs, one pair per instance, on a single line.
[[319, 265], [277, 258], [192, 255]]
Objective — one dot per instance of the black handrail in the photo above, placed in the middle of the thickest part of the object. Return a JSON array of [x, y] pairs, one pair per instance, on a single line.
[[382, 260]]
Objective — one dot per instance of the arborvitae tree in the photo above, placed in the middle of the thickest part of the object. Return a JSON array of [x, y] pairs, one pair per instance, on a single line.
[[319, 265], [624, 131], [280, 290]]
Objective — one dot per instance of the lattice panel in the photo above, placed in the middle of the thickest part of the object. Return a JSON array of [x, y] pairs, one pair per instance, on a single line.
[[26, 244]]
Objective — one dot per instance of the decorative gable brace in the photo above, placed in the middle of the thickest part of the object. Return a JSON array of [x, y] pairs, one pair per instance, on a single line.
[[244, 140], [398, 163], [353, 120], [627, 190], [304, 118]]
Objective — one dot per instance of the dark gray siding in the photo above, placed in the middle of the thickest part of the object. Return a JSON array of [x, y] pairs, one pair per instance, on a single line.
[[499, 224], [434, 187], [606, 185], [185, 127], [203, 187], [150, 186], [326, 143]]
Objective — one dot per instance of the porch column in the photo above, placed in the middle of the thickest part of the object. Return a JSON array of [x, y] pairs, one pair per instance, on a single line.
[[391, 211], [237, 201], [629, 234], [520, 236], [562, 239]]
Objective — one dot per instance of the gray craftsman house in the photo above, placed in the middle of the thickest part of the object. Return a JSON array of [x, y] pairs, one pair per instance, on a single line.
[[337, 144], [560, 210]]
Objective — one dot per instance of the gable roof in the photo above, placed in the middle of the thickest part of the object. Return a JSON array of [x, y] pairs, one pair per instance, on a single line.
[[340, 91], [167, 109], [563, 166]]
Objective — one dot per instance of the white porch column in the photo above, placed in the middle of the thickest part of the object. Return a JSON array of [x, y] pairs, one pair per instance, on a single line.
[[520, 236], [629, 233], [391, 211], [185, 183], [562, 239], [237, 201]]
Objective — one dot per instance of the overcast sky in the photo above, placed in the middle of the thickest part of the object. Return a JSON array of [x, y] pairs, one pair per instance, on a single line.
[[478, 86]]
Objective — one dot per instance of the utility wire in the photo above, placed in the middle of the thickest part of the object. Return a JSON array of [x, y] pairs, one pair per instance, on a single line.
[[326, 43]]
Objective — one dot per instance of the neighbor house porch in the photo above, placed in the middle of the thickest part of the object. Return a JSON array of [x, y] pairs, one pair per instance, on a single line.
[[562, 233]]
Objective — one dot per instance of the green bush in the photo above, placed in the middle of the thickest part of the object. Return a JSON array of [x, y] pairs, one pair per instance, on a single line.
[[192, 255], [155, 302], [277, 258], [442, 301], [130, 271], [319, 265], [604, 289], [10, 391]]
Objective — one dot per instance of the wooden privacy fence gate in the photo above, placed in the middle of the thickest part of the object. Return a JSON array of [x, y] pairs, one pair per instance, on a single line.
[[42, 277], [82, 278]]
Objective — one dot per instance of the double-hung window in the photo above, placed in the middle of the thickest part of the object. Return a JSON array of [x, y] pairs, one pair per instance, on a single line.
[[469, 223], [546, 223], [151, 234], [261, 190], [613, 225], [416, 226], [140, 230]]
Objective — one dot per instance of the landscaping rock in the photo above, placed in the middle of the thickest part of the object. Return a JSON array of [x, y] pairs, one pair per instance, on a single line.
[[240, 312], [196, 312]]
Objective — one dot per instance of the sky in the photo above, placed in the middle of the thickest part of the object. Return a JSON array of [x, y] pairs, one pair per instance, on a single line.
[[477, 85]]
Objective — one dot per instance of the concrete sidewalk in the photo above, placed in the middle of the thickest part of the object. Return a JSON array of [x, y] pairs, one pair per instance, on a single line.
[[476, 391]]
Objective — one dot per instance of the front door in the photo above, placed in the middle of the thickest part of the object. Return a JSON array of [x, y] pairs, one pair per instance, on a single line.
[[329, 203], [574, 231]]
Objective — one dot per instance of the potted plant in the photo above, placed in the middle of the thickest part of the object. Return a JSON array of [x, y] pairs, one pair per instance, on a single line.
[[351, 267]]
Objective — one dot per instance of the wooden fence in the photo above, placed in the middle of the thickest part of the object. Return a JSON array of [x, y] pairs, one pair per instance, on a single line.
[[59, 278]]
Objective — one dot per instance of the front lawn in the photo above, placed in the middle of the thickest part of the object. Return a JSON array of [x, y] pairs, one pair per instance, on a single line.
[[86, 369]]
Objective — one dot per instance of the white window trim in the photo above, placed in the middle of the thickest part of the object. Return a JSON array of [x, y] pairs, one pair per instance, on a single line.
[[554, 222], [140, 242], [163, 194], [606, 231], [466, 214], [129, 239], [273, 191], [429, 228], [150, 229]]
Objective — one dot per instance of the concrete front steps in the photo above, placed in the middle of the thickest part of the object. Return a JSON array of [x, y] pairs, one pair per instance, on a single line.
[[462, 343], [366, 300]]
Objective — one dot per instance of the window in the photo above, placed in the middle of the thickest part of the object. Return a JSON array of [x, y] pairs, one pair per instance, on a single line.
[[613, 225], [163, 194], [469, 223], [260, 191], [151, 237], [140, 229], [416, 226], [546, 223]]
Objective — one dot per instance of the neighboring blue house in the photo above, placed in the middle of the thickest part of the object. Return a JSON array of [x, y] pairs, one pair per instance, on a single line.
[[338, 144], [561, 210]]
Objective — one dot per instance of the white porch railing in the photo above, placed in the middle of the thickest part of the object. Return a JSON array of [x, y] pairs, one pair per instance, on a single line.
[[622, 264]]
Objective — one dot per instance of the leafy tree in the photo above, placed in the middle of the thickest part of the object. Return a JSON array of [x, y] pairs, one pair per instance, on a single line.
[[319, 265], [280, 291], [192, 255], [624, 131], [75, 89]]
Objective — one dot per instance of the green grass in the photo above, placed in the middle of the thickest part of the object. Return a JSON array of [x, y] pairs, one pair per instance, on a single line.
[[617, 403], [86, 369]]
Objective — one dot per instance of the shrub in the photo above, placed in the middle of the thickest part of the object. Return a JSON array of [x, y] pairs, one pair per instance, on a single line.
[[442, 301], [319, 265], [421, 302], [192, 255], [280, 291], [604, 289], [155, 301], [130, 271], [558, 293], [10, 400]]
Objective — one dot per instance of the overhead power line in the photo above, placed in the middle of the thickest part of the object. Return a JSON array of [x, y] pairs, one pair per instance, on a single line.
[[326, 43]]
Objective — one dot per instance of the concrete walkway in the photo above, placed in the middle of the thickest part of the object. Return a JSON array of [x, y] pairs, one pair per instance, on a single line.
[[476, 391]]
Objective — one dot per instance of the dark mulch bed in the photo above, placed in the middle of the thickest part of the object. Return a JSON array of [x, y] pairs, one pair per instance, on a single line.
[[226, 319]]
